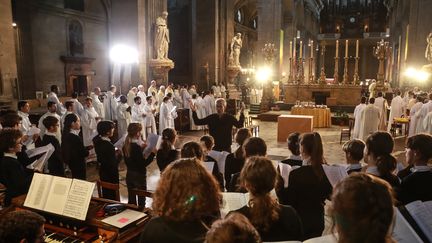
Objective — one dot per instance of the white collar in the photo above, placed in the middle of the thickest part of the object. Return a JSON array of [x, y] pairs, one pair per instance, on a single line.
[[420, 168], [106, 139], [295, 157], [76, 132], [137, 141], [373, 170], [20, 113], [11, 155], [306, 162], [353, 166], [50, 133]]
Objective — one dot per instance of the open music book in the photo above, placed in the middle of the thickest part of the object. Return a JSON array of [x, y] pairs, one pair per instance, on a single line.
[[232, 201], [39, 164], [421, 213], [335, 173], [59, 195]]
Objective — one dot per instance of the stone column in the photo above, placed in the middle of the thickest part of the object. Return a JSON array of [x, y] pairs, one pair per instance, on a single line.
[[8, 67]]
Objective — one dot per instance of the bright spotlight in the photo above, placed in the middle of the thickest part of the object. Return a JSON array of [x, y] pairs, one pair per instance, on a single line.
[[410, 72], [422, 75], [124, 54], [263, 74]]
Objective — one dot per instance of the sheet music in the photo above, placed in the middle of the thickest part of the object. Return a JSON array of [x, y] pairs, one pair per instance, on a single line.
[[232, 201], [335, 173], [78, 199], [152, 141], [209, 166], [422, 214], [124, 218], [220, 157], [57, 196], [38, 191], [285, 170], [33, 130], [402, 231], [40, 163], [40, 150]]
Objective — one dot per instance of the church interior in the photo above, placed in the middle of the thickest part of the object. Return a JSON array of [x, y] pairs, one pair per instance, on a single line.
[[109, 109]]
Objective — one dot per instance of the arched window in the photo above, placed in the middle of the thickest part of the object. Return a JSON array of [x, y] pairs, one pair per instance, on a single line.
[[254, 23], [76, 44], [239, 16]]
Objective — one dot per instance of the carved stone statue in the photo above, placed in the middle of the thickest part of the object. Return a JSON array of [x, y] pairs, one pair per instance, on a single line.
[[161, 40], [428, 52], [235, 46]]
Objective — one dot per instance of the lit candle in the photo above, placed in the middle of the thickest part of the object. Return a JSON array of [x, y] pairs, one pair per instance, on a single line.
[[337, 48], [295, 48], [311, 49], [357, 48], [346, 48], [290, 50], [301, 49]]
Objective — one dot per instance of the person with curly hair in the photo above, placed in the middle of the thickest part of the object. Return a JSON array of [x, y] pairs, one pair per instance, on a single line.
[[186, 201], [274, 222], [362, 209], [233, 228], [22, 226]]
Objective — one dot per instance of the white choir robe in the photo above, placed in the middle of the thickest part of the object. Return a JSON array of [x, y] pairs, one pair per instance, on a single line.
[[159, 97], [123, 119], [143, 97], [370, 117], [424, 110], [210, 105], [396, 110], [130, 98], [43, 128], [151, 90], [413, 118], [25, 128], [137, 116], [78, 107], [166, 118], [357, 122], [198, 103], [381, 104], [223, 91], [427, 123], [89, 125], [149, 119], [110, 105], [186, 97], [192, 91], [98, 105], [53, 98], [177, 99]]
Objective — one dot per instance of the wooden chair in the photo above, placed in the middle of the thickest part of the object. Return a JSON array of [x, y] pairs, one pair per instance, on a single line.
[[111, 186], [346, 132], [139, 193]]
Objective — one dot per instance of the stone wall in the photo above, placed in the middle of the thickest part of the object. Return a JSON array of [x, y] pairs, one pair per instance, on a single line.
[[8, 69]]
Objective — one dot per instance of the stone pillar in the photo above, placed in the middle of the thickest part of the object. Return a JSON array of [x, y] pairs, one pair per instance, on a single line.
[[8, 67]]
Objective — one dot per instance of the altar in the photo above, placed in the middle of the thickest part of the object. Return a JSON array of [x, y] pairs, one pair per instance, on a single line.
[[321, 116]]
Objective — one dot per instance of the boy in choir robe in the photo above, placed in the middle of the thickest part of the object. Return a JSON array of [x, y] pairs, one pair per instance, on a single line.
[[89, 119], [396, 109], [97, 104], [138, 113], [110, 104], [149, 119], [353, 154], [357, 121], [422, 113], [78, 107], [26, 126], [52, 96], [427, 123], [166, 115], [370, 118], [52, 108], [55, 163], [123, 116], [142, 94]]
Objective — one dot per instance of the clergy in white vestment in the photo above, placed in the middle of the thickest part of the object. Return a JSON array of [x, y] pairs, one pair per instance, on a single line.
[[223, 90], [52, 108], [149, 119], [160, 96], [167, 114], [186, 97], [142, 94], [414, 112], [123, 116], [78, 107], [197, 101], [110, 104], [131, 96], [26, 126], [370, 117], [372, 87], [411, 102], [152, 89], [396, 109], [97, 103], [217, 91], [192, 90], [89, 119], [176, 98], [421, 115], [381, 104], [427, 123], [357, 122], [209, 100], [169, 89], [138, 113], [52, 96]]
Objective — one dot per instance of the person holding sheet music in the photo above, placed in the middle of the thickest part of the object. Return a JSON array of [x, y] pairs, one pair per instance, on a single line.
[[55, 163], [26, 126], [234, 161], [185, 208], [136, 176], [362, 209], [273, 221], [12, 173], [353, 154], [308, 186], [377, 155], [106, 156], [149, 119], [167, 152], [73, 150], [417, 185]]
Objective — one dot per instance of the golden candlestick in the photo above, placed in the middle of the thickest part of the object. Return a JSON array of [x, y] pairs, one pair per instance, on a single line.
[[311, 74], [300, 71], [356, 77], [345, 75], [322, 79], [336, 70]]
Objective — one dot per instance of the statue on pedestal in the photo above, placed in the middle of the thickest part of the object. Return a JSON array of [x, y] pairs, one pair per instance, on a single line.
[[235, 46], [428, 52], [161, 40]]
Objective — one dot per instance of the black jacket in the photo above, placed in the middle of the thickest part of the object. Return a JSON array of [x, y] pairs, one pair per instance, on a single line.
[[106, 157], [136, 161], [416, 186], [55, 163], [163, 159], [74, 154], [14, 177]]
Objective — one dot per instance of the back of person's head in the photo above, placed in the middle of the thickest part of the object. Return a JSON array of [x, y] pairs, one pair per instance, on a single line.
[[104, 127], [123, 99], [136, 99], [8, 139], [21, 226], [166, 98], [241, 136], [192, 150], [207, 141], [255, 146], [50, 104], [312, 149], [194, 96], [362, 209], [258, 176], [363, 100], [421, 144], [133, 130], [11, 120], [380, 94], [50, 121], [372, 100], [293, 143], [354, 148], [398, 92], [69, 119], [379, 145], [233, 228], [74, 95], [186, 192], [168, 138], [54, 88]]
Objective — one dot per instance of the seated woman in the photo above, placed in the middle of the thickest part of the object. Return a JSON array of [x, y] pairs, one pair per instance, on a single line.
[[12, 173], [353, 154], [234, 161], [377, 155], [417, 185], [368, 221], [185, 203], [167, 152], [233, 228], [273, 221], [295, 158], [207, 143], [308, 186]]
